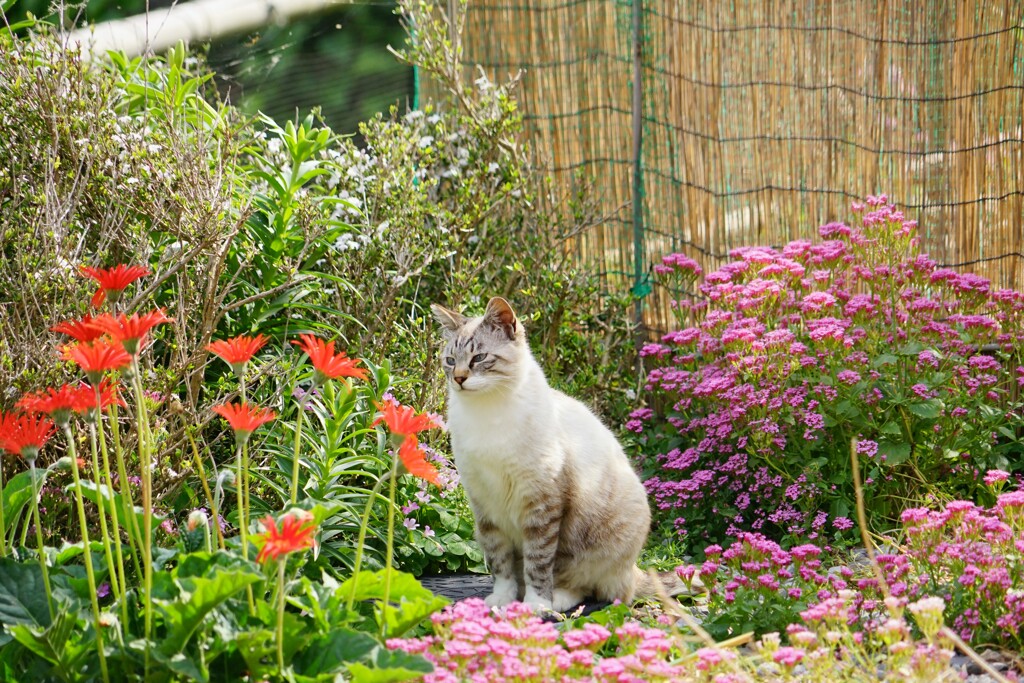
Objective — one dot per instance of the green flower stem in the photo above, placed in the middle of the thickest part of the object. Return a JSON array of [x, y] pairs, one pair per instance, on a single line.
[[388, 554], [214, 512], [115, 522], [243, 513], [39, 536], [295, 449], [280, 616], [142, 428], [363, 524], [243, 480], [127, 499], [87, 554], [101, 507], [3, 527]]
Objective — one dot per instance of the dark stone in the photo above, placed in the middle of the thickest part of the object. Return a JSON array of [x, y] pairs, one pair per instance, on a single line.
[[462, 586]]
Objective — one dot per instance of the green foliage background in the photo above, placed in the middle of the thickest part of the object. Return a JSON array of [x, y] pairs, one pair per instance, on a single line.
[[336, 61]]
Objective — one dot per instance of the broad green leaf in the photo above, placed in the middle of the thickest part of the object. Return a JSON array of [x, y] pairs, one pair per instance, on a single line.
[[390, 666], [891, 428], [17, 494], [883, 359], [928, 410], [408, 613], [203, 595], [370, 585], [334, 651], [258, 649], [847, 409], [55, 643], [895, 453], [22, 594]]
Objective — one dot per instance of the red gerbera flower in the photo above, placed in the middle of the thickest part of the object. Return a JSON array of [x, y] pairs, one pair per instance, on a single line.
[[112, 281], [405, 422], [25, 434], [58, 403], [415, 460], [295, 533], [80, 330], [96, 357], [329, 364], [130, 330], [237, 351], [244, 418]]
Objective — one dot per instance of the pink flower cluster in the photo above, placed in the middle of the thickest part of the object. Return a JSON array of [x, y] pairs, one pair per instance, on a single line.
[[973, 557], [966, 557], [795, 351], [474, 643]]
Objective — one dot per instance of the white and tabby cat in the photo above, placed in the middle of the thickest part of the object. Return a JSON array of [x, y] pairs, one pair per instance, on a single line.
[[560, 514]]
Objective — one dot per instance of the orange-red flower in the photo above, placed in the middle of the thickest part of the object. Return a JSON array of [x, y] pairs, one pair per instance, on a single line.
[[244, 418], [112, 281], [295, 533], [24, 434], [329, 364], [131, 330], [96, 357], [405, 422], [237, 351], [58, 403], [80, 330], [415, 460]]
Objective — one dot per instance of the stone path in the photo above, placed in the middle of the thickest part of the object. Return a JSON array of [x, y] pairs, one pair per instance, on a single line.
[[462, 586]]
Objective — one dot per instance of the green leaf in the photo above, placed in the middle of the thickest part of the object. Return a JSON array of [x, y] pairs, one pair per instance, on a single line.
[[390, 666], [18, 493], [928, 410], [847, 409], [891, 428], [895, 453], [883, 359], [22, 594], [202, 595], [370, 585], [409, 613], [54, 644], [258, 648], [334, 651]]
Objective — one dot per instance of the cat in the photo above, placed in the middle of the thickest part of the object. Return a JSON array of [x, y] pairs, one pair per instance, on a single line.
[[560, 514]]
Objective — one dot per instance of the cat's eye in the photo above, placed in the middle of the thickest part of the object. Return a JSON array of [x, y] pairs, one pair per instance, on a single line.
[[449, 361], [478, 357]]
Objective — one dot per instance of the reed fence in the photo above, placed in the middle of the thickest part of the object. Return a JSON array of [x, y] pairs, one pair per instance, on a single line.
[[722, 124]]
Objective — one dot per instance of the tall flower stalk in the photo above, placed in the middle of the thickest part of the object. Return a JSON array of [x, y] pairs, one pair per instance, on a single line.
[[294, 533], [244, 419], [404, 423], [25, 435], [327, 365], [87, 551]]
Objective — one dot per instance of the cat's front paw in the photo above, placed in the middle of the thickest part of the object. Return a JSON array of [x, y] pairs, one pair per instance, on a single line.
[[504, 592], [564, 600], [498, 599], [537, 601]]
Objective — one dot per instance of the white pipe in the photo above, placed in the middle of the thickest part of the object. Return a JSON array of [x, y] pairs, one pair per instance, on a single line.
[[195, 21]]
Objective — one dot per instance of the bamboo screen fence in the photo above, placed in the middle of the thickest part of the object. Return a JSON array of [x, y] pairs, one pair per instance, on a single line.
[[756, 121]]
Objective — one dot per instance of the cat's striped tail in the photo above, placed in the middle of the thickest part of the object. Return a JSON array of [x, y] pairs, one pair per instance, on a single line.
[[651, 585]]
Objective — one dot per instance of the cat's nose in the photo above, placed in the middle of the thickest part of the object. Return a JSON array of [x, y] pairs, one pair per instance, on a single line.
[[458, 379]]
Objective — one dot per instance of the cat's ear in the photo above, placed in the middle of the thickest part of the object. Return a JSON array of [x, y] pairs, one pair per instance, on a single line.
[[500, 315], [449, 319]]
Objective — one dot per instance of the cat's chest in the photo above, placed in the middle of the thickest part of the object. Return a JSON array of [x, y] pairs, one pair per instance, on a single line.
[[505, 461]]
